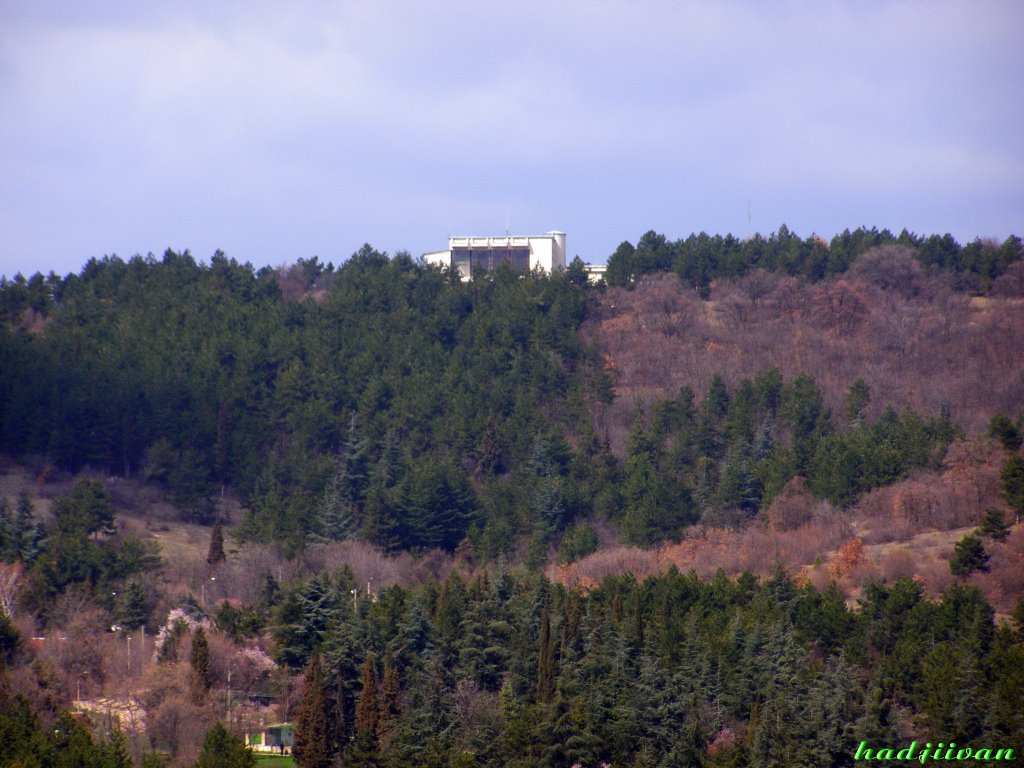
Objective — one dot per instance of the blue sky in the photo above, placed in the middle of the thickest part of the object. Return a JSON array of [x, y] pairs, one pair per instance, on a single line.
[[280, 130]]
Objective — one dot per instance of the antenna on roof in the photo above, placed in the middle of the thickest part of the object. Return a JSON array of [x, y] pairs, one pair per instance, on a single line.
[[507, 217]]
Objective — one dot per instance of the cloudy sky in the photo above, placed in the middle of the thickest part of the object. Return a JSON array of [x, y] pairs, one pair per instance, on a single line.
[[280, 130]]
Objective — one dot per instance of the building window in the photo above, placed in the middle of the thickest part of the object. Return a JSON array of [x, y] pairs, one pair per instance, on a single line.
[[473, 260]]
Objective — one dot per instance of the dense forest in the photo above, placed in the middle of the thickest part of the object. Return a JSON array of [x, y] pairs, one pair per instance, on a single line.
[[507, 425]]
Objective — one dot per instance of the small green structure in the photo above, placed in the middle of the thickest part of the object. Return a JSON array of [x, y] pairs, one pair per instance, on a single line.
[[278, 738]]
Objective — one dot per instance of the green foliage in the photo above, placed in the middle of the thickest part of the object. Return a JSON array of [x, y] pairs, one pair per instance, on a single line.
[[673, 670], [199, 659], [846, 464], [1011, 483], [196, 376], [221, 749], [994, 525], [133, 606], [86, 511], [969, 555], [701, 258], [579, 541], [312, 747], [1005, 431], [21, 535]]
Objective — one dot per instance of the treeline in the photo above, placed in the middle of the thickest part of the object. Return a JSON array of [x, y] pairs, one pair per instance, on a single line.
[[722, 461], [701, 258], [405, 407], [511, 670]]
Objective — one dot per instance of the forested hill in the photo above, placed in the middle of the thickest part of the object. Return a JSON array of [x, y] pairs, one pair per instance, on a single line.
[[391, 402], [401, 388]]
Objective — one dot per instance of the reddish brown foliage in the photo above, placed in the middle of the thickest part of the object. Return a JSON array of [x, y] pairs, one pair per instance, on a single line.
[[916, 342], [848, 559], [793, 507], [955, 498]]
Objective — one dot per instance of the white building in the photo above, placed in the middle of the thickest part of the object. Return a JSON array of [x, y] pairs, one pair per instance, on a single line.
[[476, 254]]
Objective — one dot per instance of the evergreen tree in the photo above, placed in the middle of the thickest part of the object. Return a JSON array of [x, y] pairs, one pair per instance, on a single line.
[[215, 555], [25, 534], [390, 699], [969, 555], [1005, 431], [312, 747], [546, 661], [10, 641], [335, 514], [365, 751], [85, 511], [223, 750], [994, 525], [114, 753], [133, 607], [199, 659], [1011, 484]]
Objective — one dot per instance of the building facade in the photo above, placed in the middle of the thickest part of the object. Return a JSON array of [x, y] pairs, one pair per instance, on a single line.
[[474, 255]]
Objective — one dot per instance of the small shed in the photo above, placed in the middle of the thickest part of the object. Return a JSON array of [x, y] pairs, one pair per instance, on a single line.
[[278, 738]]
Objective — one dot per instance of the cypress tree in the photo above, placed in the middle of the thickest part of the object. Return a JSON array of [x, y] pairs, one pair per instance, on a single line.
[[215, 555], [365, 751], [368, 709], [202, 677], [390, 692], [312, 742]]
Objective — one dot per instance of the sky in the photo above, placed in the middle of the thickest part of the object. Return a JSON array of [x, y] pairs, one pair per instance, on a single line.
[[283, 130]]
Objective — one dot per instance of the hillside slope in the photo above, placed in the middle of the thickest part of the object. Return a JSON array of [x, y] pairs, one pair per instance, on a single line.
[[915, 341]]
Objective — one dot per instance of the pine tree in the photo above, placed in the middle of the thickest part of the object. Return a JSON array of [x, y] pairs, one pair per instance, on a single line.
[[969, 555], [312, 740], [1011, 484], [202, 674], [335, 516], [1004, 430], [216, 555], [133, 607], [223, 750], [20, 533], [994, 525], [114, 753], [546, 661]]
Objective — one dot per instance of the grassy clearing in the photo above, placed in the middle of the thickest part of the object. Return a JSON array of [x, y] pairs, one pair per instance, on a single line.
[[274, 761]]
